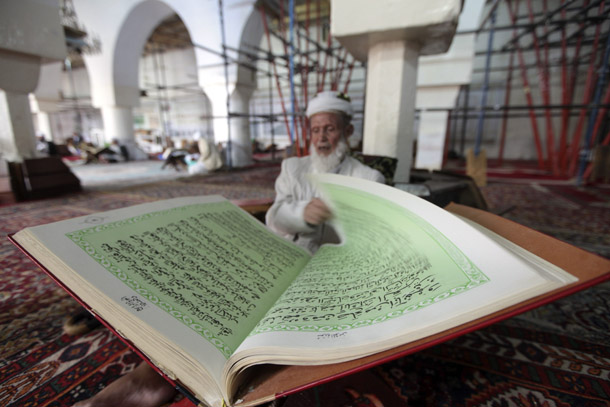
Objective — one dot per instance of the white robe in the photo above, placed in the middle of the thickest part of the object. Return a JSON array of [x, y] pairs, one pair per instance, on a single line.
[[294, 192]]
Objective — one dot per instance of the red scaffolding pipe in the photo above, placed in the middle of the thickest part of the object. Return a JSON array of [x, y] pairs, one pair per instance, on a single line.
[[318, 42], [277, 78], [321, 87], [571, 86], [589, 169], [526, 87], [565, 112], [349, 78], [600, 116], [506, 102], [509, 80], [546, 94], [305, 80], [339, 71], [604, 142], [297, 136]]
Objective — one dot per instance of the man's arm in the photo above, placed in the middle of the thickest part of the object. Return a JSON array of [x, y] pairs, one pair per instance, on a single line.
[[316, 212], [287, 214]]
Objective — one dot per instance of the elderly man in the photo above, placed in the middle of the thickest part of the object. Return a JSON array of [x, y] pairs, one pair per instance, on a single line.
[[297, 213]]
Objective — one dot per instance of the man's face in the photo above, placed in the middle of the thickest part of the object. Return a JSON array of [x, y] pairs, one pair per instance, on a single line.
[[326, 131]]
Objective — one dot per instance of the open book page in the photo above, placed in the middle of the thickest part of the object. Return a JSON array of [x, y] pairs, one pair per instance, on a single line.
[[405, 269], [543, 267], [197, 272]]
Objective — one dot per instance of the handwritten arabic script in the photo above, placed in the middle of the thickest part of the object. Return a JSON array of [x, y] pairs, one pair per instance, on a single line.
[[208, 266], [390, 263]]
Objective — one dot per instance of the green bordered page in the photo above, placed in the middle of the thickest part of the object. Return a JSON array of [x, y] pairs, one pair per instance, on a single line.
[[403, 269]]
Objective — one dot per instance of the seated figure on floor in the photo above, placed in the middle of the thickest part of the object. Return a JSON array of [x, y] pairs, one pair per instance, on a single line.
[[297, 214]]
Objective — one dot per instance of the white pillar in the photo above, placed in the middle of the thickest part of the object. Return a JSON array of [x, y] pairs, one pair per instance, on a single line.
[[44, 125], [118, 123], [241, 145], [390, 103], [218, 100], [31, 33], [391, 35], [17, 137], [431, 140]]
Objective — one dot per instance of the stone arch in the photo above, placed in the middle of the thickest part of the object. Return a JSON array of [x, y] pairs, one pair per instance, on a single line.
[[133, 34], [245, 85], [251, 34], [114, 73]]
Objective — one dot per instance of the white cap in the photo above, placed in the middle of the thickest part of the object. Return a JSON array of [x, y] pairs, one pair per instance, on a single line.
[[330, 101]]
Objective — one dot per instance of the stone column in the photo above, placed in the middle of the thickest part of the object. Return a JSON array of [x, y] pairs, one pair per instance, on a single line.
[[217, 95], [31, 33], [431, 140], [236, 138], [17, 138], [391, 35], [390, 103], [44, 125], [241, 146]]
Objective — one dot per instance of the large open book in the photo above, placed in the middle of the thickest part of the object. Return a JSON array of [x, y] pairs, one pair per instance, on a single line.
[[234, 314]]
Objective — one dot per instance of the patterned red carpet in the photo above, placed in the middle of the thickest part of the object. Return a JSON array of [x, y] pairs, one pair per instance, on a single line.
[[557, 355]]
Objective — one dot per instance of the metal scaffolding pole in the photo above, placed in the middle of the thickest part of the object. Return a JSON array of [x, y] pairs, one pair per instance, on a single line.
[[527, 89], [277, 81], [271, 118], [464, 121], [546, 94], [293, 101], [479, 136], [588, 91], [546, 17], [509, 81], [584, 156], [165, 136], [226, 73]]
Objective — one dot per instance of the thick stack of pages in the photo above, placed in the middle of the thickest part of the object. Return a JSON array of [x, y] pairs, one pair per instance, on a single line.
[[234, 314]]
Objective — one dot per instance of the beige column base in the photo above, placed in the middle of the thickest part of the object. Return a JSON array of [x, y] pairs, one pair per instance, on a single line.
[[476, 166]]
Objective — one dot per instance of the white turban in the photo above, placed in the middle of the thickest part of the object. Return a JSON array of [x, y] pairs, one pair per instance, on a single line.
[[330, 101]]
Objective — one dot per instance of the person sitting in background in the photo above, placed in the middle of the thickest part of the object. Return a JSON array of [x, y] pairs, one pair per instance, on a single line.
[[46, 147], [113, 153], [175, 157], [209, 159], [72, 148]]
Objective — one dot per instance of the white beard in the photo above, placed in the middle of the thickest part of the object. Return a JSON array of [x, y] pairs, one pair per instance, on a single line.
[[322, 164]]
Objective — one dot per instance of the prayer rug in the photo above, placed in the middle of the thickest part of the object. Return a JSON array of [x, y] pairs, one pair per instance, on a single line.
[[539, 206], [556, 355]]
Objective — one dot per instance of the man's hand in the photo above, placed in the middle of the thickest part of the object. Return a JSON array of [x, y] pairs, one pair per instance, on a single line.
[[316, 212]]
